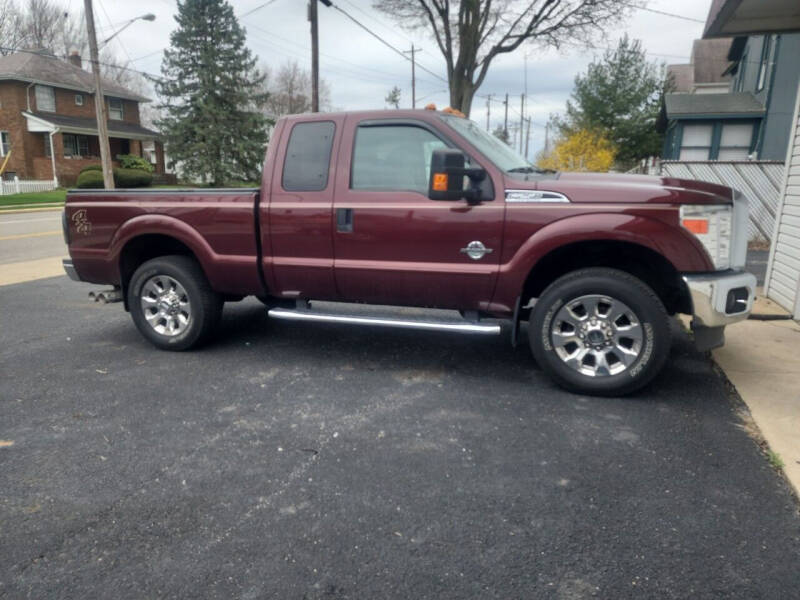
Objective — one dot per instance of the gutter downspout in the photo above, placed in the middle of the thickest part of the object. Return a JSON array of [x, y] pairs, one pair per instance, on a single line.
[[53, 155], [773, 65], [28, 95]]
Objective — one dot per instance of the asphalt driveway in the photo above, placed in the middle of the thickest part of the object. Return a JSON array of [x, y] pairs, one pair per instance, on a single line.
[[305, 461]]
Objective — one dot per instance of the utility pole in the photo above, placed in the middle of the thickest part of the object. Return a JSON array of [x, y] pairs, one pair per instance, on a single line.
[[547, 137], [312, 17], [528, 138], [521, 120], [99, 99], [505, 119], [488, 110], [413, 52]]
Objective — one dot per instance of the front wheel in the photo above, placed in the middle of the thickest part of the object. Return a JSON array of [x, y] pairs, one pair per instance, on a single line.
[[600, 331], [172, 303]]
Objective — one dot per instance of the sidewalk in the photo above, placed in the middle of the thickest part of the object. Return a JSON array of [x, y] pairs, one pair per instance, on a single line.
[[762, 360]]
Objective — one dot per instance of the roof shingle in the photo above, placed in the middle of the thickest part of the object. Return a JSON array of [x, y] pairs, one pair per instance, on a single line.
[[45, 68]]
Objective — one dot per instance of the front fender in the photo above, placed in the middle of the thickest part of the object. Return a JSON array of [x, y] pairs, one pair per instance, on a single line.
[[679, 248]]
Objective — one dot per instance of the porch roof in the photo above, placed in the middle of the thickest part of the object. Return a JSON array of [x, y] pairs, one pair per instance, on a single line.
[[87, 126], [695, 105]]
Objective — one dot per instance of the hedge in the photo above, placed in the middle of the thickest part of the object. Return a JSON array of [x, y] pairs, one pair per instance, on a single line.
[[131, 161], [90, 179], [123, 178], [92, 168]]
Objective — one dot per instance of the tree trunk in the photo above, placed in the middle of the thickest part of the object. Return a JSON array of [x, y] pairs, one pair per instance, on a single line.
[[462, 91]]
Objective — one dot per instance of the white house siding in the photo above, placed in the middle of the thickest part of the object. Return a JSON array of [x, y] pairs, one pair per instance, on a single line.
[[783, 271]]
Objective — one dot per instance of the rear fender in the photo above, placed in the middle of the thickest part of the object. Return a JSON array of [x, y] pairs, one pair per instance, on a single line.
[[167, 226]]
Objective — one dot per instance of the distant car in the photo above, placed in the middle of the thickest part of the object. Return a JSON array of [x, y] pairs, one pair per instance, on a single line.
[[423, 208]]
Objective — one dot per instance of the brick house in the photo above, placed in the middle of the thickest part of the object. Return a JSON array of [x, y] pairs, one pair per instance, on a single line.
[[48, 124]]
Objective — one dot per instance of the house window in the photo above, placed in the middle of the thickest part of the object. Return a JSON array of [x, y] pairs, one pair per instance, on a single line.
[[45, 98], [115, 109], [763, 68], [734, 142], [46, 137], [76, 145], [78, 99], [696, 141], [5, 143]]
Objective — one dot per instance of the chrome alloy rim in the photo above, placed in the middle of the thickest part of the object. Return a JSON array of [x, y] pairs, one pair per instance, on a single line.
[[597, 335], [166, 305]]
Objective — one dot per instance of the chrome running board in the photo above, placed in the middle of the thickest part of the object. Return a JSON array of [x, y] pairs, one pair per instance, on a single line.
[[307, 315]]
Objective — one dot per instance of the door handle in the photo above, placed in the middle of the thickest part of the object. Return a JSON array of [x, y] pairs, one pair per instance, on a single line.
[[344, 220]]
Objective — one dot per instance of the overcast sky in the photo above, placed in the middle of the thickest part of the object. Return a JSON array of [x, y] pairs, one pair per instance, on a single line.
[[361, 70]]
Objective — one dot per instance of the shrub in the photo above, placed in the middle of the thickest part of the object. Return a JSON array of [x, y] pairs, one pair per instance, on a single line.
[[123, 178], [131, 161], [90, 179], [91, 168], [132, 178]]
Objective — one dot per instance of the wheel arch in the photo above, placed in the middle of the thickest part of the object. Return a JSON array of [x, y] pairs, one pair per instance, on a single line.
[[146, 246], [636, 259]]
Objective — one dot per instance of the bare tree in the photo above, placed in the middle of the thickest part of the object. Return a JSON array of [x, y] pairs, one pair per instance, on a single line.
[[289, 91], [12, 34], [43, 24], [471, 33]]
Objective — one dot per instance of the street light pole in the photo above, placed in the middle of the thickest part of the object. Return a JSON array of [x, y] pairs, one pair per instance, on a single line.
[[147, 17], [99, 99]]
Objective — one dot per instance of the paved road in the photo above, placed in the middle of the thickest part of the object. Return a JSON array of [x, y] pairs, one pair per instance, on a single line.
[[304, 461], [30, 235]]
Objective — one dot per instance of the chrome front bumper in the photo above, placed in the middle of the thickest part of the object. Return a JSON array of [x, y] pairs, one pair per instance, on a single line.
[[70, 269], [721, 298]]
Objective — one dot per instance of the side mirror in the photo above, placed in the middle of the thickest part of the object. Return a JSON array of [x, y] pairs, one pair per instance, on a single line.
[[447, 177]]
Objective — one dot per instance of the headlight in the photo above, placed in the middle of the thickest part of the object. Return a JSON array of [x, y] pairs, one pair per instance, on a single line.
[[711, 224]]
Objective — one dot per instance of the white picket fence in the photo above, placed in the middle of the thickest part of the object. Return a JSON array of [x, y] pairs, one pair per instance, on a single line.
[[21, 187]]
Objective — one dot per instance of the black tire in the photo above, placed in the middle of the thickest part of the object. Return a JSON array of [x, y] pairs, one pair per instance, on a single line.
[[205, 304], [625, 289]]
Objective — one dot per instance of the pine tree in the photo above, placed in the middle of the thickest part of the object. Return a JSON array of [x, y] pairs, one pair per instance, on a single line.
[[619, 97], [212, 94]]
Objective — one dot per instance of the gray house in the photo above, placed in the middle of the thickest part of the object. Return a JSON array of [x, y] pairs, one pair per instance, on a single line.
[[751, 120]]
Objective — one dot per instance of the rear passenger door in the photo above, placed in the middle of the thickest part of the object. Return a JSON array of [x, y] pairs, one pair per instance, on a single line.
[[299, 224]]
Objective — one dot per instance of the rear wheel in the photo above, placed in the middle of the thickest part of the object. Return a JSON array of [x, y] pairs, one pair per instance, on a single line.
[[172, 303], [600, 331]]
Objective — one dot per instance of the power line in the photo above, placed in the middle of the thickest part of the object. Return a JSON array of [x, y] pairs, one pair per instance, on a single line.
[[378, 21], [669, 14], [257, 8], [384, 42]]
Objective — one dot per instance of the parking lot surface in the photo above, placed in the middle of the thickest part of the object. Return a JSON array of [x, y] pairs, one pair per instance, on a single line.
[[291, 460]]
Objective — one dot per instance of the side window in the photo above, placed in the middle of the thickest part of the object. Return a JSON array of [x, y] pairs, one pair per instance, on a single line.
[[308, 157], [393, 157]]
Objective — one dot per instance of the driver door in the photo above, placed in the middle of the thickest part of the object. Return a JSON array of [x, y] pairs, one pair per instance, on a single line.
[[394, 245]]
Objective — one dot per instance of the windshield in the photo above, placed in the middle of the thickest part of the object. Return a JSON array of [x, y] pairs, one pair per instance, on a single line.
[[503, 156]]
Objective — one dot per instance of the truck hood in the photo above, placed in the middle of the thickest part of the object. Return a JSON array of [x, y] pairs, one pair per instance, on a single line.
[[618, 188]]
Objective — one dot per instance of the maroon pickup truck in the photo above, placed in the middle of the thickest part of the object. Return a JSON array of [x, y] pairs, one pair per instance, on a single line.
[[424, 208]]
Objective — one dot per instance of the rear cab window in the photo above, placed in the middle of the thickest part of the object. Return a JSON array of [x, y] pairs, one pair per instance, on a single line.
[[308, 157]]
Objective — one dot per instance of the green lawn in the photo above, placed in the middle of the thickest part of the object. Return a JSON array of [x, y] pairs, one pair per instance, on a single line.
[[33, 198]]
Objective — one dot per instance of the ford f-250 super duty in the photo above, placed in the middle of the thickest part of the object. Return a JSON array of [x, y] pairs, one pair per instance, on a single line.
[[424, 208]]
